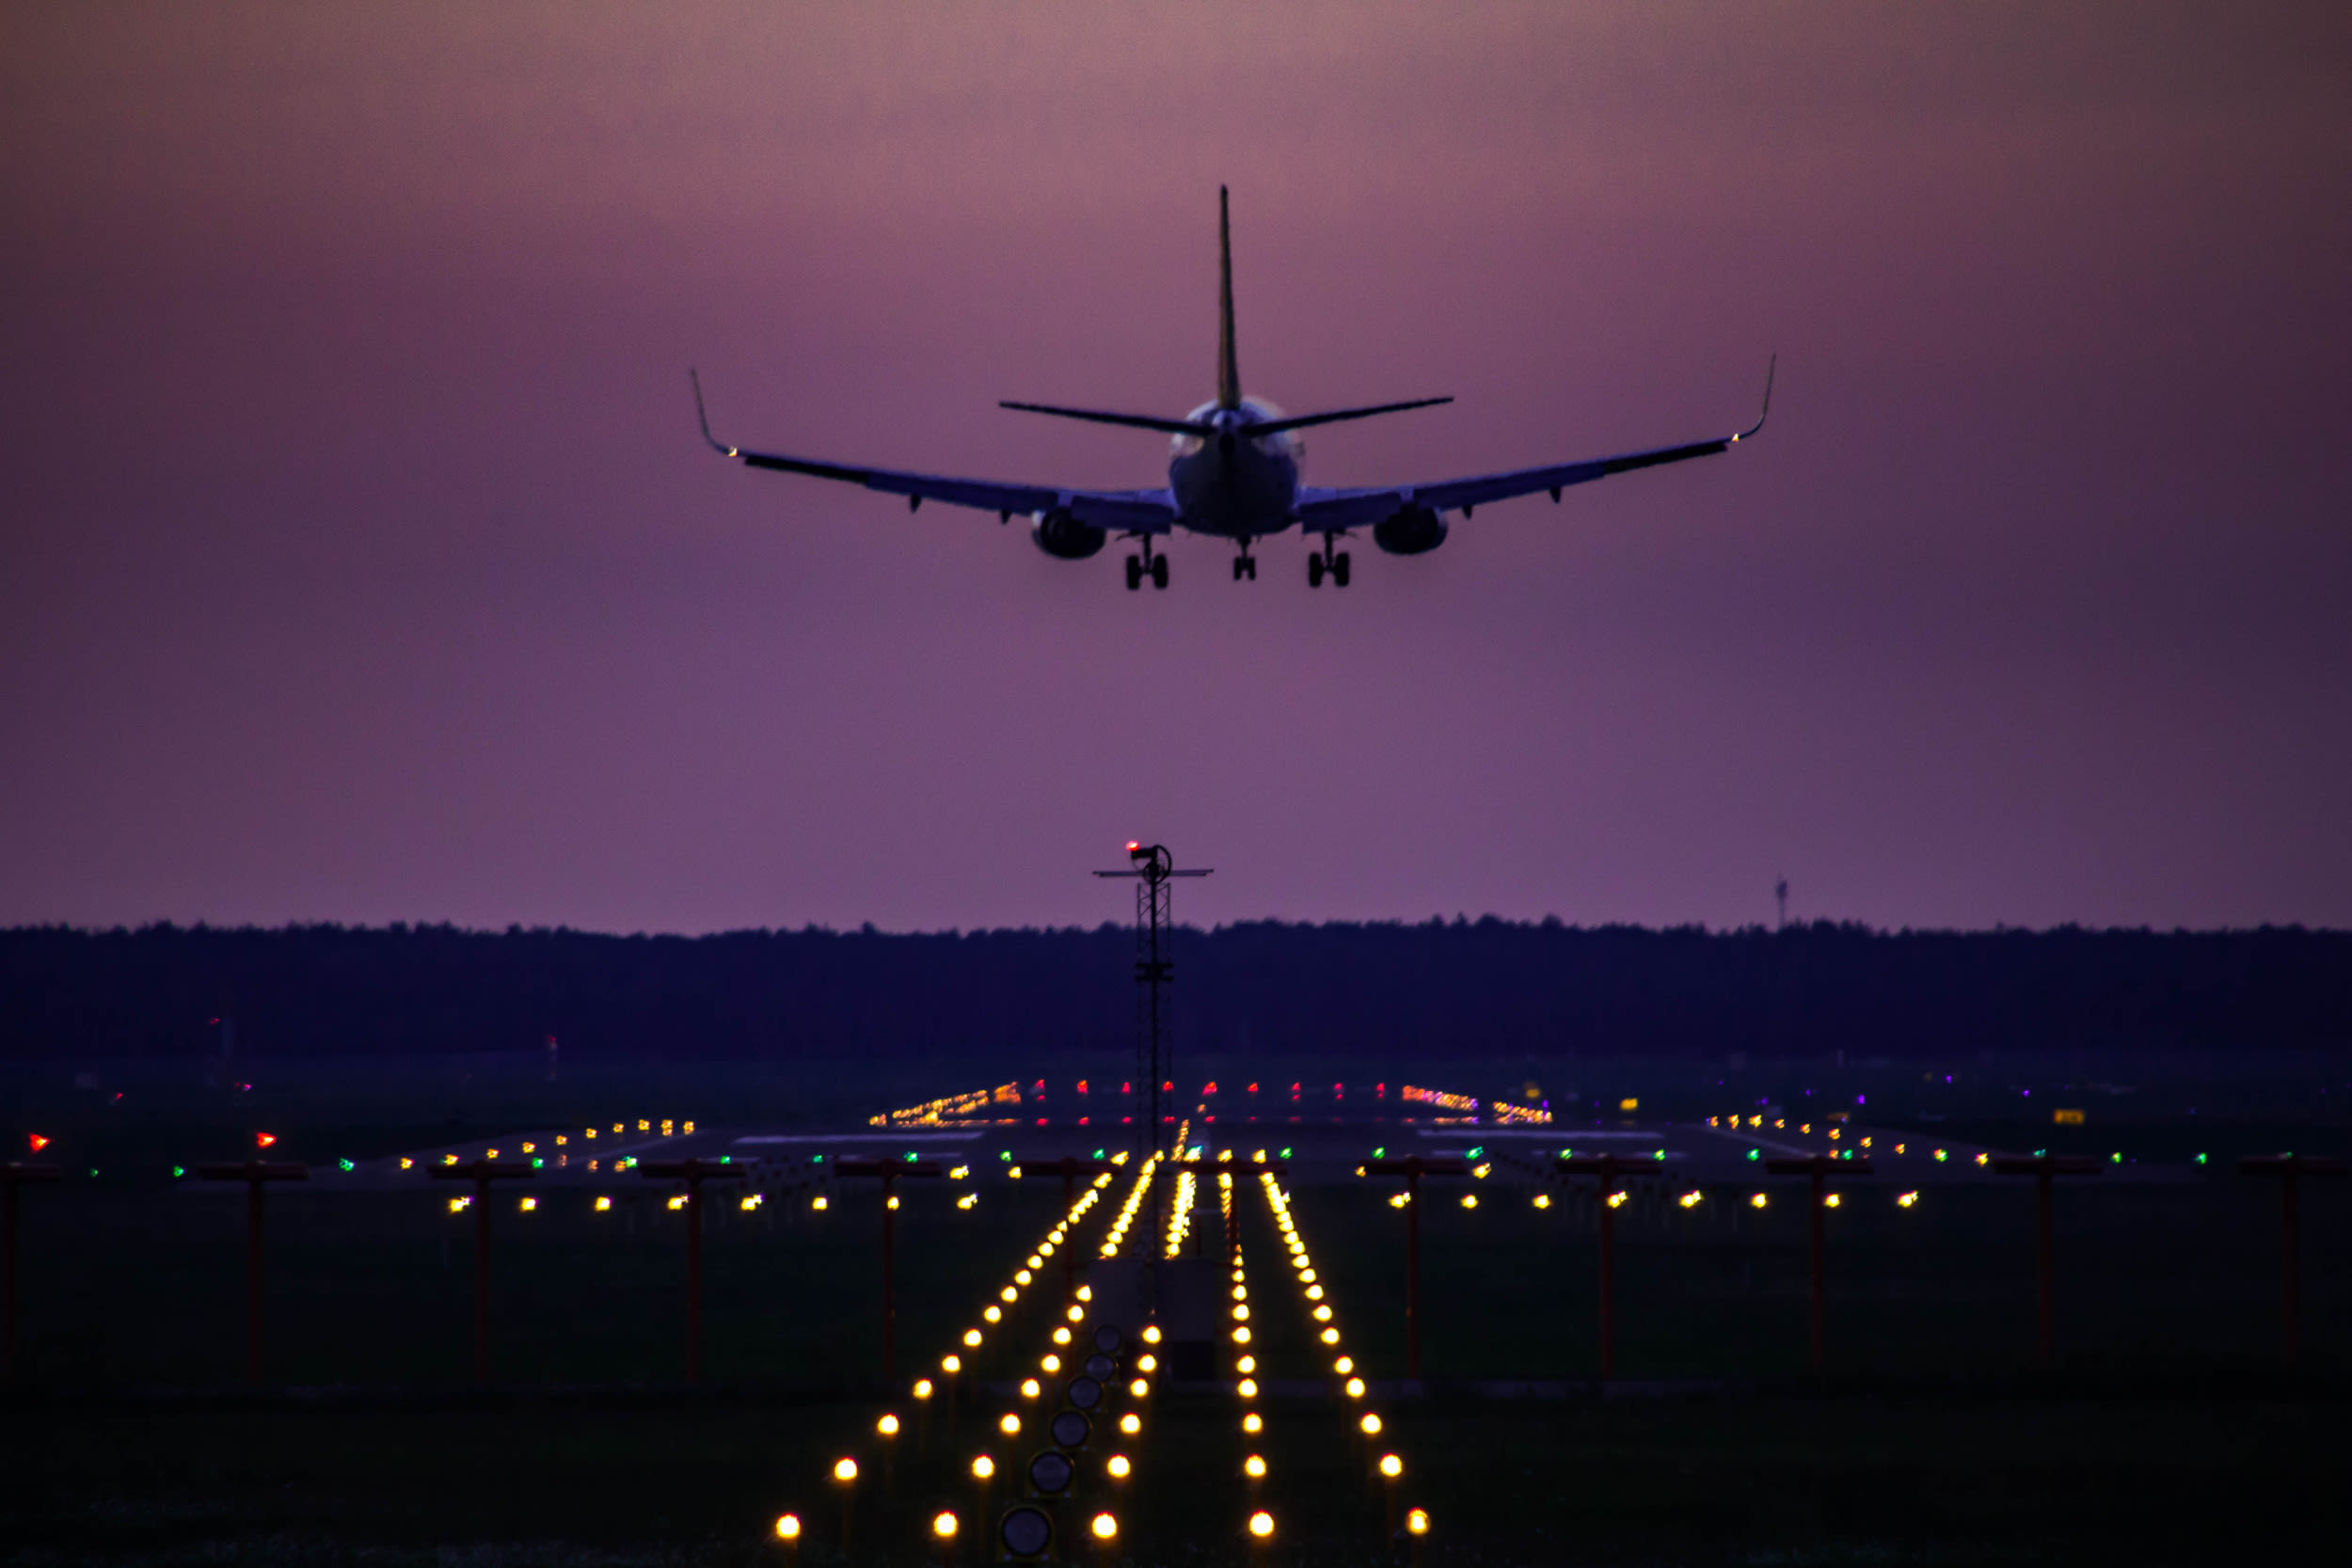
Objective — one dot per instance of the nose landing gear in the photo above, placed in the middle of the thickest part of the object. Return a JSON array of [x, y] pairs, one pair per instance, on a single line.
[[1330, 562], [1245, 564]]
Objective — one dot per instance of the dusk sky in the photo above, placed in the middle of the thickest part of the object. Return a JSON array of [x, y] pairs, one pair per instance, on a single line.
[[361, 561]]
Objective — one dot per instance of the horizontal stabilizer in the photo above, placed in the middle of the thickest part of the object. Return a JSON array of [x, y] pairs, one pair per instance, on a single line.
[[1133, 421], [1336, 414], [1205, 428]]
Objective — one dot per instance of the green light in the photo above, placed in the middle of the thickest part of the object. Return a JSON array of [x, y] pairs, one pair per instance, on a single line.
[[1476, 1150], [1380, 1154], [1755, 1154], [344, 1164], [178, 1171], [1005, 1155], [1286, 1154], [723, 1158], [539, 1162], [2116, 1158], [816, 1159], [1098, 1155], [2200, 1159], [1659, 1155], [2040, 1152], [910, 1156]]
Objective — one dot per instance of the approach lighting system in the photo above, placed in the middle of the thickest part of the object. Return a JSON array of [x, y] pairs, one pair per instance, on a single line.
[[1051, 1473], [1025, 1533]]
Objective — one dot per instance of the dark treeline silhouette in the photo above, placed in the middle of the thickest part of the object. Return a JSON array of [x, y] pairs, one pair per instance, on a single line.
[[1484, 989]]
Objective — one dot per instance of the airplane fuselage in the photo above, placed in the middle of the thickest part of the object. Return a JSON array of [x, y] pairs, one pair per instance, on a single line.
[[1234, 484]]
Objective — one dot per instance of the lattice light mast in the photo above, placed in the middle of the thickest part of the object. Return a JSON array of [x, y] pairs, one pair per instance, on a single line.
[[1153, 870]]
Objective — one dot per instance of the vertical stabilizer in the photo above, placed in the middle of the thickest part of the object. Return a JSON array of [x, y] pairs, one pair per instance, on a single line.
[[1228, 373]]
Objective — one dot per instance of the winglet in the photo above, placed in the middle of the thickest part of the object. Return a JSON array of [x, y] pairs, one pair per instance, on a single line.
[[1769, 366], [1228, 373], [716, 445]]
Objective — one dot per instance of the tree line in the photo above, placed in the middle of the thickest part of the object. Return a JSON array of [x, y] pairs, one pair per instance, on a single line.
[[1481, 989]]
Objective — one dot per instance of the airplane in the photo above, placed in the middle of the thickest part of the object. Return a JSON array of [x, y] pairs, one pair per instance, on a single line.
[[1233, 475]]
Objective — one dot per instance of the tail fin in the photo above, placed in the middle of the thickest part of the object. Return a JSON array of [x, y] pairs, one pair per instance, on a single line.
[[1228, 373]]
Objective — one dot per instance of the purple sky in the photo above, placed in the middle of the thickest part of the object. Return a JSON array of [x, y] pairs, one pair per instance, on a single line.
[[362, 562]]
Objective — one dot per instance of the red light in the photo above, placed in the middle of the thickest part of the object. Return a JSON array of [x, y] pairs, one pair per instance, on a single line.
[[263, 1140], [1168, 1087], [1134, 844], [1082, 1086], [1254, 1089], [40, 1143], [1126, 1088], [1210, 1089]]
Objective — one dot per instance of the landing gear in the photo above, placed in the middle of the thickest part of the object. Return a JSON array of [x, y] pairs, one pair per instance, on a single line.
[[1331, 563], [1146, 565], [1245, 566]]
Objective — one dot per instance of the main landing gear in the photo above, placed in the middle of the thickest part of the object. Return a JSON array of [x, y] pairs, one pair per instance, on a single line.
[[1146, 565], [1330, 563], [1245, 566]]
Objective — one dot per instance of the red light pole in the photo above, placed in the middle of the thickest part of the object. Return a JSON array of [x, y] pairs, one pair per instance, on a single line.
[[1613, 1169], [2289, 1169], [482, 1173], [1069, 1167], [888, 1171], [1821, 1167], [2041, 1167], [254, 1174], [1413, 1168], [694, 1173], [13, 1176]]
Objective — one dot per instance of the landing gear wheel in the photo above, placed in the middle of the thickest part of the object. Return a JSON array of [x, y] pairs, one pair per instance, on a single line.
[[1253, 566], [1314, 571], [1339, 568], [1241, 565], [1134, 573], [1159, 571]]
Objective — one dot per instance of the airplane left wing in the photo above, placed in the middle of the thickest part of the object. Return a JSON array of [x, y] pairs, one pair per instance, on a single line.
[[1120, 511], [1323, 510]]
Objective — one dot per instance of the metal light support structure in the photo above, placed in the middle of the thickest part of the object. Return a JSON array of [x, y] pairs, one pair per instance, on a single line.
[[2288, 1169], [1613, 1169], [13, 1176], [1153, 870], [694, 1173], [2042, 1167], [1413, 1168], [1821, 1167], [254, 1174], [1069, 1167], [482, 1173], [888, 1171]]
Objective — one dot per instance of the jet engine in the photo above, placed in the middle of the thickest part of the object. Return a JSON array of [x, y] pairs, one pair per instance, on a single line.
[[1414, 531], [1063, 537]]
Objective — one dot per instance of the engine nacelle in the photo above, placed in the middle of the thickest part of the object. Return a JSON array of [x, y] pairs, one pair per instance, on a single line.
[[1063, 537], [1415, 531]]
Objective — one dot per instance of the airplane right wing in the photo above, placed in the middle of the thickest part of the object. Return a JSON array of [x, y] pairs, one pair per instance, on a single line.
[[1323, 510], [1119, 511]]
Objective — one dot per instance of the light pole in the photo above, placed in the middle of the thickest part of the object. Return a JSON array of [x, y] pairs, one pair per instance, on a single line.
[[1821, 1167], [1413, 1168], [1613, 1169], [482, 1173], [254, 1174], [13, 1176], [888, 1171], [2042, 1167], [2289, 1169], [694, 1173]]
